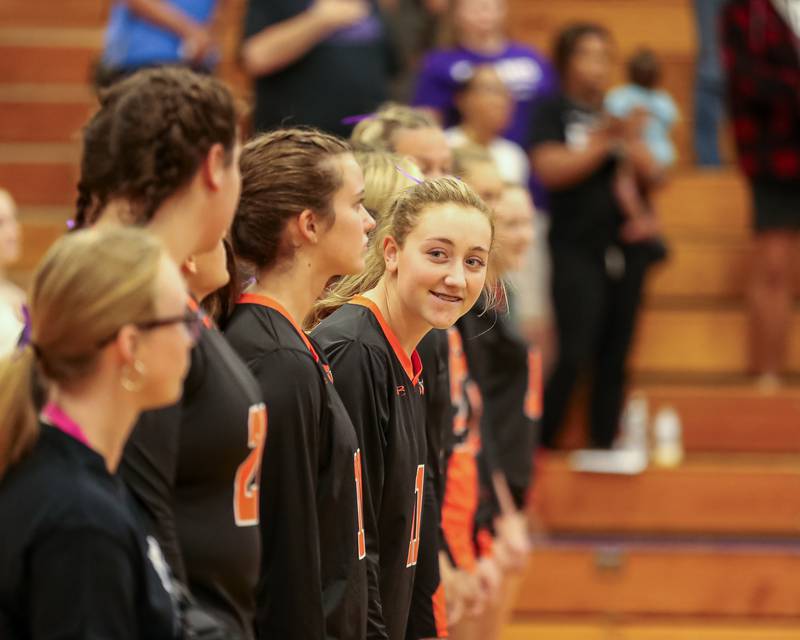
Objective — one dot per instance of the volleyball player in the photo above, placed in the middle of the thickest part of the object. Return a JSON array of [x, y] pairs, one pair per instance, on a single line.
[[162, 152], [508, 376], [300, 222], [110, 338], [427, 266]]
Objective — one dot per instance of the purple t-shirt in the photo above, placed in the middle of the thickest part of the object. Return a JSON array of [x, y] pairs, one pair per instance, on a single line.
[[528, 75]]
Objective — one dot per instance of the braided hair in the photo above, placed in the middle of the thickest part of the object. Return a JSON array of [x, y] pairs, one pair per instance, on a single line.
[[149, 138]]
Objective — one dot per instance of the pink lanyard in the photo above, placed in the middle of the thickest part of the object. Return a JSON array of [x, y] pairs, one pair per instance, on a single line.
[[56, 417]]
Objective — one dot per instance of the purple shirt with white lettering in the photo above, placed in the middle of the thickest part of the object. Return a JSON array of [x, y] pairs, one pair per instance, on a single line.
[[528, 75]]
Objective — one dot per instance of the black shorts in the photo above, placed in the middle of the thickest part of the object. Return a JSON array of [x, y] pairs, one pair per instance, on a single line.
[[776, 205]]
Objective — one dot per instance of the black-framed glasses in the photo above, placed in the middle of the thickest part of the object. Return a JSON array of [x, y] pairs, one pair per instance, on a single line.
[[192, 320]]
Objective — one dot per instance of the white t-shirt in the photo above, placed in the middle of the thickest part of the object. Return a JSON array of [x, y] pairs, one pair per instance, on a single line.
[[509, 157]]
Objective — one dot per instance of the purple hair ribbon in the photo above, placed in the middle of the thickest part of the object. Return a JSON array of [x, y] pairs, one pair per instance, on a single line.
[[356, 119], [25, 336], [407, 174], [71, 224]]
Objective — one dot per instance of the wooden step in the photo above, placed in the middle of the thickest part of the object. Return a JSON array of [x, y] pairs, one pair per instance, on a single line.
[[706, 202], [63, 13], [539, 628], [700, 341], [664, 25], [40, 183], [715, 419], [678, 580], [45, 64], [724, 495], [43, 122], [706, 269]]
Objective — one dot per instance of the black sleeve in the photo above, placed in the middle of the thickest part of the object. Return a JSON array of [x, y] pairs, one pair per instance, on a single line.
[[547, 124], [361, 379], [292, 580], [264, 13], [82, 588], [149, 466]]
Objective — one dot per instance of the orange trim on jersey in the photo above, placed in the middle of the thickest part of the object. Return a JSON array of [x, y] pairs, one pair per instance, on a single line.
[[440, 612], [459, 506], [194, 306], [485, 541], [413, 365], [271, 303]]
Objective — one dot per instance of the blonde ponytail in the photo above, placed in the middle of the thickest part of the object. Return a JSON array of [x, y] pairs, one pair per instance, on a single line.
[[19, 427]]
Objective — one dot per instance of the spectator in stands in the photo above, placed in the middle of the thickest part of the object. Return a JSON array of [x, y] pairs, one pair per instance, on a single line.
[[709, 82], [414, 26], [316, 63], [485, 106], [599, 257], [656, 105], [11, 296], [148, 33], [762, 60]]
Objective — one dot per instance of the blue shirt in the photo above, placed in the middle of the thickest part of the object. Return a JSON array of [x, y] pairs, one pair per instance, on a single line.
[[663, 116], [133, 42]]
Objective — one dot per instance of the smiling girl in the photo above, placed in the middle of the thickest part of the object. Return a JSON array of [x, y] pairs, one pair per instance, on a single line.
[[427, 268]]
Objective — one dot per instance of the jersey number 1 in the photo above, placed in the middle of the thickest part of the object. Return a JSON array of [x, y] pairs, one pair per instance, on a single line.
[[416, 522], [362, 541], [248, 475]]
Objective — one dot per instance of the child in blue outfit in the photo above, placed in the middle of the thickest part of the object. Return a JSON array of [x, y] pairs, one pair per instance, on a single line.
[[657, 106]]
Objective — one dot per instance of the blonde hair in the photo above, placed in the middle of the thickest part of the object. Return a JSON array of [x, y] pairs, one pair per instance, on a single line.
[[377, 131], [398, 223], [386, 175], [88, 286], [468, 155]]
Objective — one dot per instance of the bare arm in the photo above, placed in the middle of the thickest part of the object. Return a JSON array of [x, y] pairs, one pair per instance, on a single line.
[[558, 166], [164, 15], [279, 45]]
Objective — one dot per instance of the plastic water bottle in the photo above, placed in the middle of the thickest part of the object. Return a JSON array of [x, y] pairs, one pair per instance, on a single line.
[[667, 438], [634, 425]]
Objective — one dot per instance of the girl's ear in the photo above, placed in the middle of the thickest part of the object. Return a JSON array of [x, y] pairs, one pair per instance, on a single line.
[[308, 226], [213, 167], [189, 267], [391, 254]]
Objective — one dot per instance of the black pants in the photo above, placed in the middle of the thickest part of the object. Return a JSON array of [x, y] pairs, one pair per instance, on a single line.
[[595, 315]]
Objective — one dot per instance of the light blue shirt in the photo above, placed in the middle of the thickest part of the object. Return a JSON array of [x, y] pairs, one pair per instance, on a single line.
[[133, 42], [663, 116]]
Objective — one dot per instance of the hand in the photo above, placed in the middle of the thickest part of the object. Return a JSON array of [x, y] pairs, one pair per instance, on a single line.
[[634, 123], [641, 228], [490, 577], [197, 44], [338, 14], [513, 542], [463, 593]]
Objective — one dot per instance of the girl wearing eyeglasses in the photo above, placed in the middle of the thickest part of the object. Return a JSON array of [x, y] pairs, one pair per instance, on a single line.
[[162, 152], [110, 338]]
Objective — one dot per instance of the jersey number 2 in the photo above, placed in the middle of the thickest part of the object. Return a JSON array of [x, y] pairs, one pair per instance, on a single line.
[[416, 522], [362, 541], [246, 485]]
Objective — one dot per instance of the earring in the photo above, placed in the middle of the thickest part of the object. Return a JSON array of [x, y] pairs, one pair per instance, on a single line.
[[134, 384]]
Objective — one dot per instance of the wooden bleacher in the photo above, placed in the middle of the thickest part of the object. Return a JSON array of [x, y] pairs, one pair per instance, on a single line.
[[710, 549], [703, 552]]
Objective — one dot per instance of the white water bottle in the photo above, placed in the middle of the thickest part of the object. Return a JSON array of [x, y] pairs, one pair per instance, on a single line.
[[667, 438]]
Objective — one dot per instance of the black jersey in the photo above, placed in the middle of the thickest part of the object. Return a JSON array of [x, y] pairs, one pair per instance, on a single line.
[[382, 389], [428, 614], [75, 560], [313, 571], [195, 468], [500, 363]]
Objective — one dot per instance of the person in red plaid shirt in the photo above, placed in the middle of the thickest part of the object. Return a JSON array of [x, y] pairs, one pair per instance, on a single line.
[[761, 46]]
